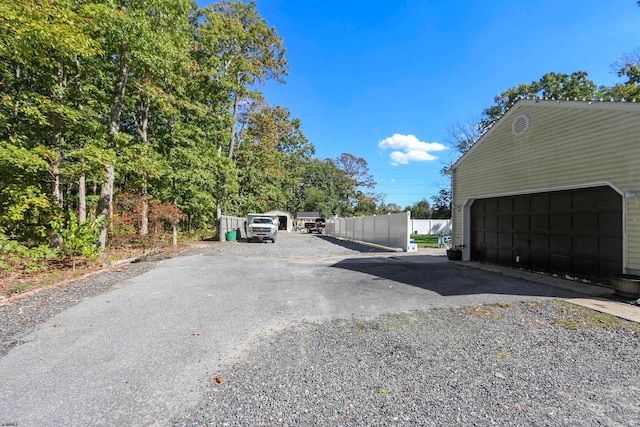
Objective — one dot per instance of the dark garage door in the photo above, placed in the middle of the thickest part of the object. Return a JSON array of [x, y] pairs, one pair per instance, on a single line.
[[576, 232]]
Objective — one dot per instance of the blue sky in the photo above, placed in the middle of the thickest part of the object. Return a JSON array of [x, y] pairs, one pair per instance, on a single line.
[[364, 71]]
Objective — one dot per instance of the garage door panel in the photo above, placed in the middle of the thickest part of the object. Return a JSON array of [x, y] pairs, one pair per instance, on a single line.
[[539, 241], [584, 245], [491, 207], [586, 266], [477, 222], [539, 203], [491, 254], [559, 263], [609, 267], [505, 239], [491, 238], [505, 256], [521, 223], [521, 205], [505, 222], [608, 200], [610, 247], [521, 240], [522, 257], [559, 201], [477, 236], [539, 260], [609, 223], [586, 199], [505, 205], [491, 222], [477, 252], [539, 222], [584, 222], [560, 243], [560, 223], [577, 232]]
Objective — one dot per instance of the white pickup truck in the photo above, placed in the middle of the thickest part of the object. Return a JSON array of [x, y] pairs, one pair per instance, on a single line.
[[261, 228]]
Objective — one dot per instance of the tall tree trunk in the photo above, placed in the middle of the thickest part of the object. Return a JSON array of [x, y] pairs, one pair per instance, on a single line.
[[105, 203], [143, 129], [82, 199], [234, 125], [58, 140], [56, 189], [174, 234], [232, 144]]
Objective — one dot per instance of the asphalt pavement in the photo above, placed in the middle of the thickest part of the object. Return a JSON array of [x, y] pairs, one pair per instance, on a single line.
[[138, 355]]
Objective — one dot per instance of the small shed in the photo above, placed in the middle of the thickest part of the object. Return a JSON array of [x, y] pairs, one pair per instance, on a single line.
[[286, 222], [553, 186]]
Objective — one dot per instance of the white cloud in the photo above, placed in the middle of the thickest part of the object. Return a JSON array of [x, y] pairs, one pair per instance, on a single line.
[[408, 148]]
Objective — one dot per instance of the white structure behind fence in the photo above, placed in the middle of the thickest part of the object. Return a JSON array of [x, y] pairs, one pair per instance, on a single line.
[[391, 230], [431, 226]]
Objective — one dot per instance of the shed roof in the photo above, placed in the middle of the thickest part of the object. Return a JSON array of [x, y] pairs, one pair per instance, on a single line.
[[308, 215]]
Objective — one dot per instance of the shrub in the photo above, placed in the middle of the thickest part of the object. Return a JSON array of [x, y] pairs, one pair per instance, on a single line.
[[79, 239]]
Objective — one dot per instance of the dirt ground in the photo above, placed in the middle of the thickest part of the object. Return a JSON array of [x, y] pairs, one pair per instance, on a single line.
[[25, 277]]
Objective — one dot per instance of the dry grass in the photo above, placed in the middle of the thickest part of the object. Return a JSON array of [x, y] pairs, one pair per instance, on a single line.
[[575, 318], [25, 276]]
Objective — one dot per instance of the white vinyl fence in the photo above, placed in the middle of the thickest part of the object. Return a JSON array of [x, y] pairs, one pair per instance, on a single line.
[[431, 226], [391, 230], [231, 223]]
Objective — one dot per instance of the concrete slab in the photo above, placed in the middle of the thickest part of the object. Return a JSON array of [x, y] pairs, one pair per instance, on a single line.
[[615, 308]]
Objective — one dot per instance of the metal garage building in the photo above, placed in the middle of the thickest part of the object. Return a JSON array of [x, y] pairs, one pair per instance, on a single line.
[[553, 186]]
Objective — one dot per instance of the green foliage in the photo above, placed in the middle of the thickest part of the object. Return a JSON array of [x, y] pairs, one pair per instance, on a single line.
[[420, 210], [159, 99], [16, 289], [628, 68], [79, 239], [441, 207], [552, 86], [12, 250]]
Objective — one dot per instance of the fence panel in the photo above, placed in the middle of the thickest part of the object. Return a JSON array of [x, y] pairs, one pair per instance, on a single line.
[[392, 230], [431, 226], [230, 223]]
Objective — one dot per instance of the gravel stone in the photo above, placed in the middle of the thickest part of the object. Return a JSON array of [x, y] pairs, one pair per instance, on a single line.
[[507, 365]]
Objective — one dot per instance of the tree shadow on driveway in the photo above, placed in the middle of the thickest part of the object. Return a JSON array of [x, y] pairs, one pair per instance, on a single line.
[[450, 278]]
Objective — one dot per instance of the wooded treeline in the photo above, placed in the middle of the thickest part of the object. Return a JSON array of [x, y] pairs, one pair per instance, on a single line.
[[125, 116]]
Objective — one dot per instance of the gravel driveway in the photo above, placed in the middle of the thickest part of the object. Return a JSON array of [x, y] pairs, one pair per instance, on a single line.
[[312, 331]]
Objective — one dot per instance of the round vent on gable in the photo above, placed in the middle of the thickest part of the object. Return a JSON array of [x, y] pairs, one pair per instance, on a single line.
[[520, 124]]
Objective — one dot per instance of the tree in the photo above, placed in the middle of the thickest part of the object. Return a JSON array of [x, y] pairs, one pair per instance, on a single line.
[[247, 52], [628, 67], [386, 208], [139, 43], [420, 210], [43, 48], [441, 208], [271, 154], [552, 85]]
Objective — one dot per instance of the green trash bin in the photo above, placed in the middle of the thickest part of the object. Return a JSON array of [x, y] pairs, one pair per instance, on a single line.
[[230, 236]]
